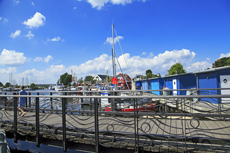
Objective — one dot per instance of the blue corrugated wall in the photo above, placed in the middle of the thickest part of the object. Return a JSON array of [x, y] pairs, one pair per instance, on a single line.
[[157, 84], [146, 85], [186, 82]]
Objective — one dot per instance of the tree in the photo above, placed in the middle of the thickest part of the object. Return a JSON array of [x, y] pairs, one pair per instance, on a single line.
[[32, 85], [1, 84], [65, 78], [225, 61], [7, 84], [176, 69], [149, 74], [89, 78], [80, 81]]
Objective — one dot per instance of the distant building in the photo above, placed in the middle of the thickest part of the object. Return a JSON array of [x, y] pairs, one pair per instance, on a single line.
[[100, 78], [139, 77]]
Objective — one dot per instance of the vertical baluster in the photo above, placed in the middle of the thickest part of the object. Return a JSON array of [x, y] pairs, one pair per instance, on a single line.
[[37, 122], [64, 100], [51, 100], [15, 118], [98, 147], [29, 100]]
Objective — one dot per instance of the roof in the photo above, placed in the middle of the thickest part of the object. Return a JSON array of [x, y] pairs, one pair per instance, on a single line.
[[103, 77], [212, 69]]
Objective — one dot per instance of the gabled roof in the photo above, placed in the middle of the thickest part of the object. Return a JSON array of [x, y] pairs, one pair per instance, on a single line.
[[103, 77]]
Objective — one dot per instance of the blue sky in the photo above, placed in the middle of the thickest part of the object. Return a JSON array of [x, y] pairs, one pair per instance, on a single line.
[[40, 39]]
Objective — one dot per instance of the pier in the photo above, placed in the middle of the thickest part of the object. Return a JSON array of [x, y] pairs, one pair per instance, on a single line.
[[55, 120]]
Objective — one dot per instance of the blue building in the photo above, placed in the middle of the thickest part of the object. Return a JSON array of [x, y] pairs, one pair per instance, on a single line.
[[214, 78], [146, 85], [139, 85], [157, 84], [180, 81]]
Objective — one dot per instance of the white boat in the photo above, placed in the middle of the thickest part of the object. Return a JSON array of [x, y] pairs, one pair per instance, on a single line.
[[59, 87]]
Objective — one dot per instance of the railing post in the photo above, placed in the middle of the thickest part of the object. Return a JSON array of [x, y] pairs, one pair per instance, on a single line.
[[81, 98], [5, 100], [64, 123], [51, 100], [15, 118], [37, 122], [30, 99], [98, 147], [26, 100]]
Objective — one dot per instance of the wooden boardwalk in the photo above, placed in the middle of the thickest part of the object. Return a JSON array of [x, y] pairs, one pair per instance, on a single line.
[[160, 131]]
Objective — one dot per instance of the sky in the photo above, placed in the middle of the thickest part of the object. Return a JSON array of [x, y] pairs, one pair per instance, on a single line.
[[41, 40]]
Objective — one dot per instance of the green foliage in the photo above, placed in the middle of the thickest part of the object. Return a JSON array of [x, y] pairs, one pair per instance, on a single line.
[[80, 81], [1, 84], [89, 78], [149, 74], [176, 69], [7, 84], [225, 61], [155, 76], [32, 86], [65, 78], [108, 78]]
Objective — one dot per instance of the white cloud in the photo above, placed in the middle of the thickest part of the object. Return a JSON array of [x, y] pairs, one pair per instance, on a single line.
[[36, 21], [151, 54], [38, 59], [138, 65], [30, 35], [0, 18], [32, 3], [16, 2], [48, 58], [75, 8], [99, 4], [56, 39], [110, 40], [144, 53], [199, 66], [45, 59], [208, 59], [17, 33], [224, 55], [5, 20], [10, 57]]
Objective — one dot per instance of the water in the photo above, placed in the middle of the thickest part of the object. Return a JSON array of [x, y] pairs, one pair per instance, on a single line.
[[31, 147]]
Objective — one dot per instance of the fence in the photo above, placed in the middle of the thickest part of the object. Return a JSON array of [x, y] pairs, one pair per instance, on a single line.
[[136, 122]]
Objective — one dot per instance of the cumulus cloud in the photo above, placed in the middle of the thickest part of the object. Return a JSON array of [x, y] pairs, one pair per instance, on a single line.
[[151, 54], [45, 59], [110, 40], [75, 8], [199, 66], [17, 33], [48, 58], [138, 65], [224, 55], [36, 21], [10, 57], [32, 3], [30, 35], [144, 53], [99, 4]]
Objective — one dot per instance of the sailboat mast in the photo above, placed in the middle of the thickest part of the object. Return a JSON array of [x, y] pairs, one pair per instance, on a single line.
[[113, 56]]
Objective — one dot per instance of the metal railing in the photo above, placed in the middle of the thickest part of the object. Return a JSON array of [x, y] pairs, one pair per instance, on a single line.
[[137, 122]]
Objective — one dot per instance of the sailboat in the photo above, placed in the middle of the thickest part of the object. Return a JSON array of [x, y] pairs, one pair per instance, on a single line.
[[143, 104]]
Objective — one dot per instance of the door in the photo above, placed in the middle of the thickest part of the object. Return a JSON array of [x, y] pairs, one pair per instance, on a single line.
[[174, 86], [225, 83]]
